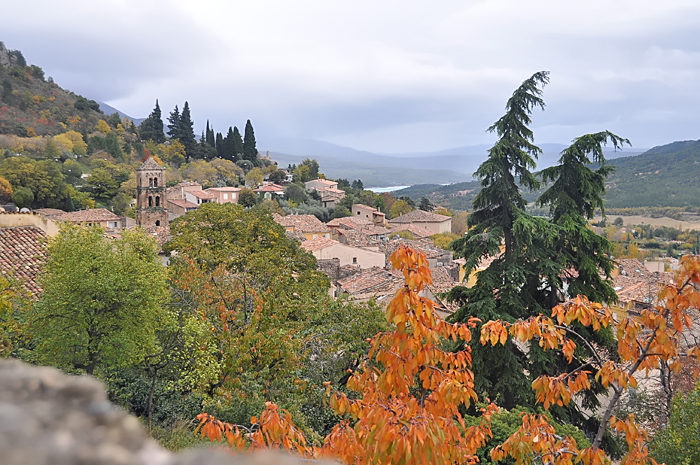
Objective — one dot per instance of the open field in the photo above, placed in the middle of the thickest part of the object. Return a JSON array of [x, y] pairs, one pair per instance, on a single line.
[[663, 221]]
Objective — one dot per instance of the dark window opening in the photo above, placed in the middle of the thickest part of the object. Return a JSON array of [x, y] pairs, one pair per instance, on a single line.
[[150, 182], [157, 222], [157, 201], [155, 182], [150, 201]]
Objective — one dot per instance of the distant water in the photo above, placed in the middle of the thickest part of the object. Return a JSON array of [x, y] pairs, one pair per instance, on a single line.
[[379, 190]]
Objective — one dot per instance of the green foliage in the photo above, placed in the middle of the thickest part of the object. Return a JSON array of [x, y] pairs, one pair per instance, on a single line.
[[23, 197], [152, 127], [444, 240], [100, 299], [504, 423], [247, 197], [313, 167], [250, 151], [186, 132], [398, 208], [43, 178], [679, 442], [295, 193]]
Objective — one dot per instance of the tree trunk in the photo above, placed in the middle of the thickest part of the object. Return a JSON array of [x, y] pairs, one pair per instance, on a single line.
[[150, 399]]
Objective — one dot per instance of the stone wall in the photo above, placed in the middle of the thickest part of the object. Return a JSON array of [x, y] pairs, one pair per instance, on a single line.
[[49, 418], [330, 267]]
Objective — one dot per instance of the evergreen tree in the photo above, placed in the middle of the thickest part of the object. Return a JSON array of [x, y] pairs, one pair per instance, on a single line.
[[210, 138], [250, 151], [174, 124], [219, 144], [237, 144], [228, 151], [70, 206], [573, 198], [187, 137], [152, 127], [501, 229]]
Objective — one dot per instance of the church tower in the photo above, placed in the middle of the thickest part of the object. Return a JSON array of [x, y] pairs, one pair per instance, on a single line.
[[150, 195]]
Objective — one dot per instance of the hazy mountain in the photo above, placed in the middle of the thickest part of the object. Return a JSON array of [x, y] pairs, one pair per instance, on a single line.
[[461, 162], [109, 110]]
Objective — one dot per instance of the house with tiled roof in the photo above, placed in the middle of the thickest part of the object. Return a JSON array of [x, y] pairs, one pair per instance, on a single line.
[[22, 255], [324, 249], [376, 283], [328, 190], [179, 207], [416, 231], [356, 238], [267, 190], [310, 226], [427, 221], [199, 197], [319, 184], [373, 214], [95, 216], [225, 194], [636, 286], [360, 224]]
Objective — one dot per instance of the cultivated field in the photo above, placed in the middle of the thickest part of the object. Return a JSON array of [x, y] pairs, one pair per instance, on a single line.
[[663, 221]]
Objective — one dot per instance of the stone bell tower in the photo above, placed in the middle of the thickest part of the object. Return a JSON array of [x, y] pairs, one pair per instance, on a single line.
[[150, 195]]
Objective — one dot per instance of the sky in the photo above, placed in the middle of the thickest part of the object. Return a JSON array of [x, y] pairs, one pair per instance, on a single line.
[[379, 75]]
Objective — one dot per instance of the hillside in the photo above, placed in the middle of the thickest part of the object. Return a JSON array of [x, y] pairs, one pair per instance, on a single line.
[[33, 105], [665, 176]]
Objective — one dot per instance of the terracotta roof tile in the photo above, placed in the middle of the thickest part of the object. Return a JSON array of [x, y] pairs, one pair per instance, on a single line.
[[92, 215], [182, 203], [417, 231], [357, 239], [318, 243], [420, 216], [202, 195], [22, 255], [302, 223]]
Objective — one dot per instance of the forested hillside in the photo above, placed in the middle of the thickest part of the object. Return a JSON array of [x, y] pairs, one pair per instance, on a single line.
[[663, 177], [34, 105]]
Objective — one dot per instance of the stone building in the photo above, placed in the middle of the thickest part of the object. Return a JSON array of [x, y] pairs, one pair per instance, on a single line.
[[150, 195]]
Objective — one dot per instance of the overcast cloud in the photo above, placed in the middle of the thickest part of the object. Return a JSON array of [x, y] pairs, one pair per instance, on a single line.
[[385, 76]]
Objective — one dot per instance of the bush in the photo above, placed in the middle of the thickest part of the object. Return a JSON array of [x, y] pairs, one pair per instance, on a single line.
[[679, 443]]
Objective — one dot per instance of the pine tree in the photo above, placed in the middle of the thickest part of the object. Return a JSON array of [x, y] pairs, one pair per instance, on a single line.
[[237, 144], [250, 151], [174, 124], [152, 127], [518, 243], [187, 137]]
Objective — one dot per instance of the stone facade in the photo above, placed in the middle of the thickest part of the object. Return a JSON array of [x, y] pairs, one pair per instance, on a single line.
[[150, 195]]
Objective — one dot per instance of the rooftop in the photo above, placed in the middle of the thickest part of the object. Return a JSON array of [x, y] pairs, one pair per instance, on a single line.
[[22, 254], [355, 238], [150, 164], [203, 195], [417, 231], [183, 203], [317, 244], [302, 223], [325, 182], [94, 215], [224, 189], [420, 216]]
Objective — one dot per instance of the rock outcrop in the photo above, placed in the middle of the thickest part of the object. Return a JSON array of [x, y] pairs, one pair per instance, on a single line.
[[49, 418]]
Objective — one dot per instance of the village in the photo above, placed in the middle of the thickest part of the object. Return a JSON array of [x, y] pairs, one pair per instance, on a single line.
[[352, 251]]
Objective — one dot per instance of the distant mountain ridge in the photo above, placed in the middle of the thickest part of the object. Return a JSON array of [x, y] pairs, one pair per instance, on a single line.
[[458, 164], [664, 176], [110, 110]]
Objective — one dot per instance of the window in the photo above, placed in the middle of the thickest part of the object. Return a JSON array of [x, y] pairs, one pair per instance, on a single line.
[[225, 196], [150, 182], [233, 196], [354, 260], [157, 222], [157, 201], [155, 182], [358, 213], [150, 201]]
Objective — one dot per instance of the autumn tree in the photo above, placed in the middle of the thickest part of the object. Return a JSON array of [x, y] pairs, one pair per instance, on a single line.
[[645, 341], [406, 406], [100, 298], [5, 190]]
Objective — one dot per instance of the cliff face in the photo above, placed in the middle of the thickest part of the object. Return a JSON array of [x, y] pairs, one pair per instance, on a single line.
[[49, 418], [10, 57]]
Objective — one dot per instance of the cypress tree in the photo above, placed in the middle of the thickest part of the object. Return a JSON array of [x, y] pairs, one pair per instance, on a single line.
[[187, 136], [228, 150], [70, 206], [211, 140], [250, 151], [237, 144], [219, 145], [174, 124]]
